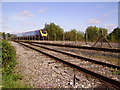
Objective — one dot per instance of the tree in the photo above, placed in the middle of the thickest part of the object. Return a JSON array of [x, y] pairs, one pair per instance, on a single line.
[[3, 35], [0, 35], [54, 31], [114, 36], [93, 33], [73, 35], [104, 31]]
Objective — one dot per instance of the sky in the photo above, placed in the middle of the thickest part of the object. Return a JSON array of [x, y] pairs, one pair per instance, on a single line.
[[20, 17]]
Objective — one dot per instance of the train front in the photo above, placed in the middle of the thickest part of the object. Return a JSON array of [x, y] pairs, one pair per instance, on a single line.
[[44, 34]]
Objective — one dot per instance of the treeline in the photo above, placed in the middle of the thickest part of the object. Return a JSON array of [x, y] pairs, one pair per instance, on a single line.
[[114, 36], [6, 36], [57, 33], [92, 33]]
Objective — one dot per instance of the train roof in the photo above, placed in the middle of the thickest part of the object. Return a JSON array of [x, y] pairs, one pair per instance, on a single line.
[[29, 33]]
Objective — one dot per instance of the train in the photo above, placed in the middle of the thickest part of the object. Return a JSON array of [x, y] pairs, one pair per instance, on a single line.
[[33, 35]]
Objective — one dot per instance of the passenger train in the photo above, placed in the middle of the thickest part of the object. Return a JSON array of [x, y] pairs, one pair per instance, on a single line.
[[35, 35]]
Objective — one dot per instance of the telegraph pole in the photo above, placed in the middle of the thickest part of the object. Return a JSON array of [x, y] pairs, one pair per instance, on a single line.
[[54, 36], [63, 38], [86, 37], [76, 37]]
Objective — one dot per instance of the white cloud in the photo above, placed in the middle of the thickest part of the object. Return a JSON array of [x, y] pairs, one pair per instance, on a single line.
[[4, 26], [12, 32], [28, 24], [22, 15], [110, 27], [41, 10], [25, 13], [94, 21], [1, 22], [110, 12]]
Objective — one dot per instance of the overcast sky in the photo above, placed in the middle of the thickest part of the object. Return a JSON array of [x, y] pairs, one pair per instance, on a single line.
[[27, 16]]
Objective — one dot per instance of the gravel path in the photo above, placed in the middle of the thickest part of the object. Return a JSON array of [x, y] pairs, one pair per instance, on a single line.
[[40, 71]]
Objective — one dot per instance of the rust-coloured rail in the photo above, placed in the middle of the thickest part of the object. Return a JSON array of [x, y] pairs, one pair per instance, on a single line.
[[81, 57], [81, 47], [102, 78]]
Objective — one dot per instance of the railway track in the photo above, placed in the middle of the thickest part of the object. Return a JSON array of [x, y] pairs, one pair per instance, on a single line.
[[79, 56], [75, 62], [80, 47]]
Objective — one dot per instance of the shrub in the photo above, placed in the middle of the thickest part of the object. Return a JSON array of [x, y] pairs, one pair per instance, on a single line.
[[9, 78]]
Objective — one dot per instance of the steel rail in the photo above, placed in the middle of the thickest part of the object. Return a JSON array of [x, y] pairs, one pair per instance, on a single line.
[[81, 47], [81, 57], [102, 78]]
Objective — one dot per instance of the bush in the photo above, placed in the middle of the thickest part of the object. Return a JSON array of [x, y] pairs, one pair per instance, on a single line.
[[9, 78], [8, 57]]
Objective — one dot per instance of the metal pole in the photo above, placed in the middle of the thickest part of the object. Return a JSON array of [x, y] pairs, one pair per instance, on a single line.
[[86, 37], [74, 79], [101, 32], [76, 38], [54, 36], [101, 41], [6, 36], [63, 38]]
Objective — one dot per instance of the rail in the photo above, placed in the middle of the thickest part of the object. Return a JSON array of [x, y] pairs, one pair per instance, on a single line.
[[102, 78], [80, 47]]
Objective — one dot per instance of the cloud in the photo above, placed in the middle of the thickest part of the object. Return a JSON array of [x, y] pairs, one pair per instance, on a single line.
[[4, 26], [28, 24], [110, 12], [94, 21], [1, 22], [110, 27], [41, 10], [23, 15]]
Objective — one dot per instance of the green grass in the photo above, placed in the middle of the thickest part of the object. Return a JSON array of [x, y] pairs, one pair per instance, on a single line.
[[10, 79], [115, 60], [117, 72]]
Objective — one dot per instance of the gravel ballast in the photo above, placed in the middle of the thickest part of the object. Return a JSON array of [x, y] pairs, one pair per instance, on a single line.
[[40, 71]]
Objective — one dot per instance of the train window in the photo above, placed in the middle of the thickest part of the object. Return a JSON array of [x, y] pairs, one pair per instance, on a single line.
[[43, 31]]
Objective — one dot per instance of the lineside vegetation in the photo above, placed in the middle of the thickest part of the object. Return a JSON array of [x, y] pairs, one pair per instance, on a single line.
[[55, 32], [10, 79]]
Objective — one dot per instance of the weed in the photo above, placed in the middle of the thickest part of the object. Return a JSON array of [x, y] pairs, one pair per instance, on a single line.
[[9, 78]]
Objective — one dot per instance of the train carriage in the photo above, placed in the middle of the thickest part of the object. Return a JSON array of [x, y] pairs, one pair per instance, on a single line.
[[33, 35]]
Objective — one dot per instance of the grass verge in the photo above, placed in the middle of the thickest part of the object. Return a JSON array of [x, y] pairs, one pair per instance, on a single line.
[[10, 79]]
